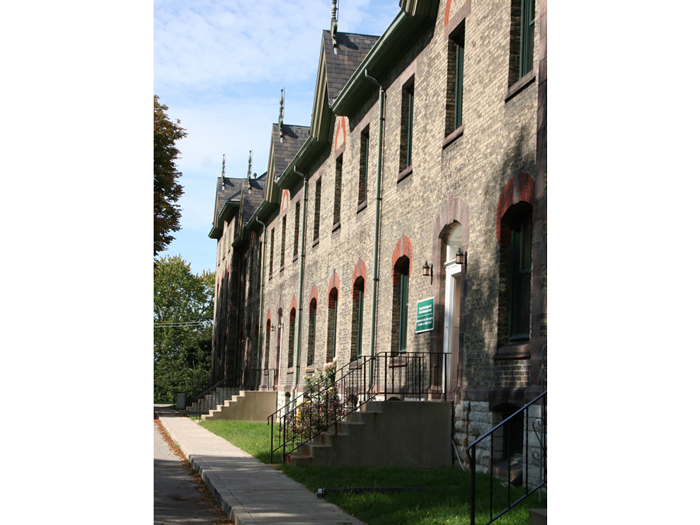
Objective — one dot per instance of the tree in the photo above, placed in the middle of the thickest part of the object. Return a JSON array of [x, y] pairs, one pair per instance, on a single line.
[[166, 190], [183, 307]]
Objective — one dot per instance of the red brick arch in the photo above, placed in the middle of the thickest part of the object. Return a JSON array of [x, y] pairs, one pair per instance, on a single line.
[[403, 248], [293, 303], [520, 188], [313, 294], [333, 283]]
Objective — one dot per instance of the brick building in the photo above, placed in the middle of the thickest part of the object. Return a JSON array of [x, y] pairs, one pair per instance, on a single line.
[[426, 144]]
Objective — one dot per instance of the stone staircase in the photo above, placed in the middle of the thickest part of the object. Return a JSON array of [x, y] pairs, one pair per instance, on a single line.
[[212, 400], [384, 434], [247, 405]]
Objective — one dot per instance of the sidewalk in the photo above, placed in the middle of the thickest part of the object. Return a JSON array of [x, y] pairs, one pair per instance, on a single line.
[[249, 491]]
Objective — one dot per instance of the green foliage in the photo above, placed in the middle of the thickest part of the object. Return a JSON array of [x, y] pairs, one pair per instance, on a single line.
[[182, 354], [250, 436], [445, 502], [166, 190]]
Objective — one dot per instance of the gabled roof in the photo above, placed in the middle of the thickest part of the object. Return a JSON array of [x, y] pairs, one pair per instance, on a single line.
[[335, 67], [414, 19], [254, 199], [227, 198], [281, 153], [292, 139], [352, 48]]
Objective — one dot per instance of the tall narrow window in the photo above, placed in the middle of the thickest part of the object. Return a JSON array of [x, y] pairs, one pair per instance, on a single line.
[[338, 190], [317, 209], [406, 147], [272, 249], [296, 231], [455, 80], [364, 166], [292, 327], [312, 334], [332, 320], [358, 296], [266, 363], [521, 241], [522, 39], [284, 236], [527, 42], [399, 325]]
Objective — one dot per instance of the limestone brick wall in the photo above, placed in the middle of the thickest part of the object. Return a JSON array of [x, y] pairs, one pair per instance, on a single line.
[[461, 178]]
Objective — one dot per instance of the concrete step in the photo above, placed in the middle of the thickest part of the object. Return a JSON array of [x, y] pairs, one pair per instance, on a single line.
[[538, 516]]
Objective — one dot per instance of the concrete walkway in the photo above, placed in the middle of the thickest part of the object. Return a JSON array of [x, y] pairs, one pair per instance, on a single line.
[[249, 491]]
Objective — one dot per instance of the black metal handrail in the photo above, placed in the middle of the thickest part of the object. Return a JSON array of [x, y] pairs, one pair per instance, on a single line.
[[259, 378], [539, 427], [416, 375]]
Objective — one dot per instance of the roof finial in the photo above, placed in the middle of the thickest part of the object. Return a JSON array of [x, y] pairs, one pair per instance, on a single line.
[[280, 120], [223, 171], [250, 162], [334, 24]]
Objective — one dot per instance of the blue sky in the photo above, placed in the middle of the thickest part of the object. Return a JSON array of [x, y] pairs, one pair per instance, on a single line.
[[219, 66]]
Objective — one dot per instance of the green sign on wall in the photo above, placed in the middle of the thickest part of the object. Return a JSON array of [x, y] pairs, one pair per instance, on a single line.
[[425, 315]]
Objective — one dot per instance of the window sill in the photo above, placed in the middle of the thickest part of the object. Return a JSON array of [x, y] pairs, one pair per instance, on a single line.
[[357, 363], [513, 351], [290, 370], [405, 173], [315, 242], [281, 268], [520, 85], [294, 259], [449, 139], [361, 206], [336, 227]]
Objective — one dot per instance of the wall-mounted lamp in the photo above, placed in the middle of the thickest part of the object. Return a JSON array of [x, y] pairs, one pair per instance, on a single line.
[[428, 271], [459, 257]]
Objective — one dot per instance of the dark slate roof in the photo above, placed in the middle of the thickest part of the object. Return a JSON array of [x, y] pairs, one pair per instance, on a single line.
[[352, 49], [255, 197], [293, 138], [228, 192]]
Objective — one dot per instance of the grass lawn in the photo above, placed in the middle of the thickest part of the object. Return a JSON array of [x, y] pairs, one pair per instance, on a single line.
[[445, 502]]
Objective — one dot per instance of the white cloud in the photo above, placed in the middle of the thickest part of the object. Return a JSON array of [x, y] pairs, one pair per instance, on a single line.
[[219, 67]]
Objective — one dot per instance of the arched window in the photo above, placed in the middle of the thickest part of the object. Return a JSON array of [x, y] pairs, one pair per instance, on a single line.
[[515, 275], [292, 326], [332, 321], [267, 345], [358, 297], [400, 305], [311, 350]]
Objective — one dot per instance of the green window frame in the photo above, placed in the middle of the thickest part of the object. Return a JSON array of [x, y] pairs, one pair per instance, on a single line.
[[459, 80], [364, 166], [338, 189], [527, 35], [409, 128], [360, 307], [403, 307], [521, 259], [335, 329], [312, 334]]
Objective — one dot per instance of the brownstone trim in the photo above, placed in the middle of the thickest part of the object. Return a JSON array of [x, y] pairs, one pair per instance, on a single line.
[[405, 173], [519, 188], [362, 206], [336, 227], [334, 282], [339, 151], [449, 139], [520, 85], [403, 248], [313, 294], [457, 19], [315, 242], [290, 370]]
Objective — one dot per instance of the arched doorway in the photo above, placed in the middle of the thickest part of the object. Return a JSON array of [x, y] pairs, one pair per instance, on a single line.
[[453, 286]]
